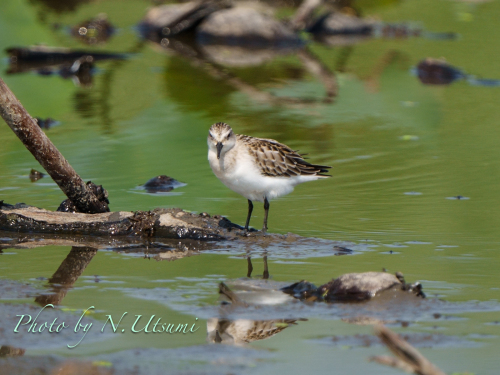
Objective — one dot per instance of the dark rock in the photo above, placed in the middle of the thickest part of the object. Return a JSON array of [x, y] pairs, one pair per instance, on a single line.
[[437, 72], [6, 206], [245, 26], [169, 20], [303, 290], [353, 287], [162, 184], [337, 23], [358, 286], [46, 61]]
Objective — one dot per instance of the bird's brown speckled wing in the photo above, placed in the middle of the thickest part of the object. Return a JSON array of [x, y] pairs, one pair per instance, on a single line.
[[267, 328], [278, 160]]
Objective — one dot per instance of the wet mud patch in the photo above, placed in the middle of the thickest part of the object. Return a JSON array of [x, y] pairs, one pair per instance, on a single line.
[[288, 246], [9, 319], [417, 339], [39, 365], [275, 246], [262, 300], [10, 290], [202, 359]]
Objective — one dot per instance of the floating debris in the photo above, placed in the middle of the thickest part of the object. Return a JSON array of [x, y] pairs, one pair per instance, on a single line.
[[458, 198], [340, 250], [47, 61], [338, 28], [162, 184], [95, 30], [35, 175], [47, 123], [438, 72]]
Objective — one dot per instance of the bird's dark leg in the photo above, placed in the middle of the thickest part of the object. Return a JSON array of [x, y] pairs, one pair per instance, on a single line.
[[250, 209], [266, 212], [250, 267], [265, 275]]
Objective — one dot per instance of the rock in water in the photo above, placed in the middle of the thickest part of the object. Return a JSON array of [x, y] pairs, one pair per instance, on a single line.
[[245, 26], [162, 184]]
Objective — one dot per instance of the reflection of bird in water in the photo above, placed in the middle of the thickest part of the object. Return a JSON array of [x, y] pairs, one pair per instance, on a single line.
[[241, 331], [259, 169]]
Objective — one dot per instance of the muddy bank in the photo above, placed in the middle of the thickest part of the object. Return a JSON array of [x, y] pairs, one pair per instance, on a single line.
[[417, 339], [201, 359], [10, 315]]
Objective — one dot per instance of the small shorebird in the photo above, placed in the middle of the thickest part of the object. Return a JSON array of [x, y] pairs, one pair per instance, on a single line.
[[259, 169]]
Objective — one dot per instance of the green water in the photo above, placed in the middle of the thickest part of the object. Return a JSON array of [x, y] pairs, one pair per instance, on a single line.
[[386, 135]]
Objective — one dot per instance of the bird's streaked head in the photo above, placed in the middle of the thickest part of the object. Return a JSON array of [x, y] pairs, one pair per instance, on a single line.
[[221, 138]]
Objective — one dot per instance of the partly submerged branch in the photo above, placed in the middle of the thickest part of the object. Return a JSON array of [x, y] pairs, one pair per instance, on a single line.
[[408, 358], [44, 151], [166, 223]]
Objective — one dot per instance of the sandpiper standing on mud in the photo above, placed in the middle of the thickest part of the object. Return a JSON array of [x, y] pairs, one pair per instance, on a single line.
[[259, 169]]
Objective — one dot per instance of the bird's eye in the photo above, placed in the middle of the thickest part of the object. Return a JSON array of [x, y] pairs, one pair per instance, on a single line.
[[229, 136], [210, 135]]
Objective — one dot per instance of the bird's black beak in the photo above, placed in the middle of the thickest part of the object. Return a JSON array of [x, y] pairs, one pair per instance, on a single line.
[[219, 149]]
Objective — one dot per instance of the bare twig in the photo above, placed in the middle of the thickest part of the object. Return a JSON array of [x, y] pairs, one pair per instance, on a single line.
[[409, 359], [303, 13], [44, 151]]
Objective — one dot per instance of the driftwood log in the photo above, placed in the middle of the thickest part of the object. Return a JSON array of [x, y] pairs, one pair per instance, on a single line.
[[163, 223], [44, 151]]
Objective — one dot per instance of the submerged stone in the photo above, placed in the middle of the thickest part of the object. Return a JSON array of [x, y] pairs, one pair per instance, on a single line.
[[166, 21], [337, 23], [352, 287], [437, 72], [248, 27], [162, 183]]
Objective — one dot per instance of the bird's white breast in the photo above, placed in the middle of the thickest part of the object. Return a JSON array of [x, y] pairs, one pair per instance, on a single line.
[[238, 171]]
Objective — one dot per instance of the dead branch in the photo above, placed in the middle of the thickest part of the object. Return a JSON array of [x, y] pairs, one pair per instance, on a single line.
[[408, 358], [44, 151]]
